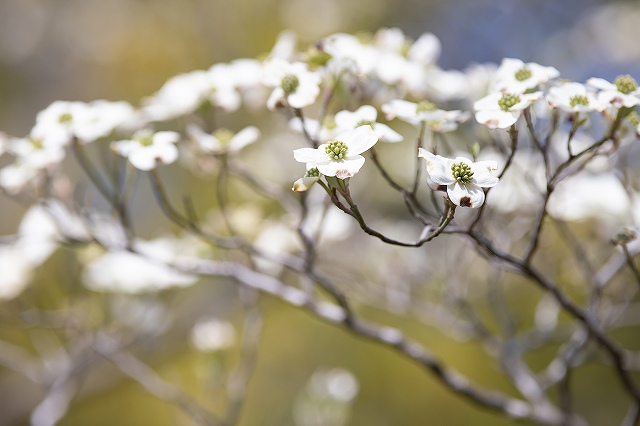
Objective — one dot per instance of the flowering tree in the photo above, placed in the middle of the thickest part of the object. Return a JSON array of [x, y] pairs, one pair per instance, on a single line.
[[404, 204]]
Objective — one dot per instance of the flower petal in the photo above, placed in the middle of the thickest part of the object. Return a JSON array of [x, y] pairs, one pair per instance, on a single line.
[[311, 155], [386, 133], [359, 140], [244, 137], [438, 167], [304, 183], [468, 195], [497, 119], [149, 157], [482, 173], [342, 169]]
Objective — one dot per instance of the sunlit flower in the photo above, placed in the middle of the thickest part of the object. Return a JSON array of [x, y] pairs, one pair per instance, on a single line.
[[292, 83], [573, 97], [502, 110], [623, 92], [146, 149], [31, 158], [514, 76], [340, 157], [222, 140], [463, 178], [366, 114]]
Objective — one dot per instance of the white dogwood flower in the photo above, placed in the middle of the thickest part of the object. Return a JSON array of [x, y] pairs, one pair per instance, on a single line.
[[514, 76], [366, 114], [222, 141], [292, 83], [463, 178], [502, 110], [411, 112], [146, 149], [623, 92], [340, 157], [573, 97]]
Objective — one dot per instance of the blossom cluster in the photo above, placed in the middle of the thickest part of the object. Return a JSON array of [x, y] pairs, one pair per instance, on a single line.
[[399, 88]]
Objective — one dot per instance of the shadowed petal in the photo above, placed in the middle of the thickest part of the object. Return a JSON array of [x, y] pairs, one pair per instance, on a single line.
[[342, 169], [468, 195]]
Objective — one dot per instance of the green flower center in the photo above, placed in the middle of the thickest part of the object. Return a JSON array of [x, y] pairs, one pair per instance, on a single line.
[[625, 84], [224, 136], [144, 137], [290, 83], [336, 150], [365, 123], [312, 173], [424, 106], [507, 101], [65, 118], [523, 73], [36, 143], [462, 172], [578, 100]]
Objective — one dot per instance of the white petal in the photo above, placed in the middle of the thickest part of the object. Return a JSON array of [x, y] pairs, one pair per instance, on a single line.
[[497, 119], [166, 137], [482, 173], [205, 141], [276, 97], [601, 83], [386, 133], [149, 157], [304, 183], [244, 137], [489, 102], [438, 167], [468, 195], [342, 169], [358, 140], [311, 155]]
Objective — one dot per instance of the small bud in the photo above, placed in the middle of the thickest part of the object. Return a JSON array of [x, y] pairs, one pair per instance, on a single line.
[[474, 150]]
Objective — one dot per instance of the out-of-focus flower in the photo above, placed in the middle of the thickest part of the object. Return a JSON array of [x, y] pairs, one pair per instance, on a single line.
[[587, 195], [410, 112], [348, 54], [146, 149], [323, 132], [292, 83], [212, 335], [57, 124], [341, 157], [502, 110], [127, 272], [463, 178], [366, 114], [180, 95], [222, 141], [573, 97], [516, 77], [101, 118], [35, 241], [623, 92], [31, 158]]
